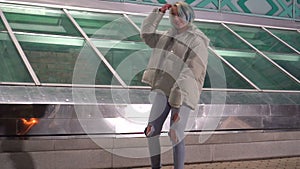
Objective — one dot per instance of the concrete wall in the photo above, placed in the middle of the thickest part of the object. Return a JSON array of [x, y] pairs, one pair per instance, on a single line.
[[121, 152]]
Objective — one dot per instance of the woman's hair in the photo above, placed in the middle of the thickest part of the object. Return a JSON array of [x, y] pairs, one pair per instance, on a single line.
[[185, 11]]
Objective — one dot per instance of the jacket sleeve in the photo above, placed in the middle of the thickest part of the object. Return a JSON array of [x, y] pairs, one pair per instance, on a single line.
[[189, 84], [149, 32]]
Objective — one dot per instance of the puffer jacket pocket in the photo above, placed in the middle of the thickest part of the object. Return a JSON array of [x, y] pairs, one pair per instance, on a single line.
[[176, 97]]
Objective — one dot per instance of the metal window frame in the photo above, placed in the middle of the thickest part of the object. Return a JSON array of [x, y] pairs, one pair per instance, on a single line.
[[80, 85], [117, 10], [294, 9], [61, 84], [285, 43], [100, 55], [17, 83], [124, 13], [131, 21], [262, 54], [252, 25], [235, 70], [231, 90], [246, 24], [19, 49]]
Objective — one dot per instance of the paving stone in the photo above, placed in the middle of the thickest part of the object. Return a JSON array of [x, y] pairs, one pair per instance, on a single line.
[[279, 163]]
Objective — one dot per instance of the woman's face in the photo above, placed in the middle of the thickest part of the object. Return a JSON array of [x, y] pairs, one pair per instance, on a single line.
[[175, 19]]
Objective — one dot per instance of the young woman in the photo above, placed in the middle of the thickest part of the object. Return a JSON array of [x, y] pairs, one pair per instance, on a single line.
[[176, 72]]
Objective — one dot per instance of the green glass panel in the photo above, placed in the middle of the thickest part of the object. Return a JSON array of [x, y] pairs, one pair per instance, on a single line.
[[260, 71], [127, 58], [130, 60], [261, 39], [2, 28], [221, 37], [64, 60], [254, 66], [12, 68], [219, 75], [163, 25], [289, 36], [38, 20], [297, 10], [273, 48], [106, 26]]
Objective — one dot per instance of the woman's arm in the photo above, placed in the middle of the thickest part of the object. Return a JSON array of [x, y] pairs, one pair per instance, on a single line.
[[149, 26]]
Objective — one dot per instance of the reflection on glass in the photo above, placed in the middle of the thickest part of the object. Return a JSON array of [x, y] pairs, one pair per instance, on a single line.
[[19, 119], [127, 58], [163, 25], [64, 60], [219, 75], [274, 49], [255, 67], [289, 36], [24, 125], [12, 68], [106, 26], [38, 20]]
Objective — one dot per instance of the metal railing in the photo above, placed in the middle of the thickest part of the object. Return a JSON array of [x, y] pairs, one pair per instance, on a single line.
[[268, 8]]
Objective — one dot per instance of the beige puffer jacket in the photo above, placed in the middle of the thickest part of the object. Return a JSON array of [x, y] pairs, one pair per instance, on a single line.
[[178, 63]]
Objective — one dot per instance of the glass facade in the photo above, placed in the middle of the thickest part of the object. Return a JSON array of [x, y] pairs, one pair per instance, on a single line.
[[38, 20], [127, 58], [12, 67], [220, 75], [106, 26], [274, 49], [254, 66], [289, 36], [59, 54], [281, 9], [81, 57], [163, 25]]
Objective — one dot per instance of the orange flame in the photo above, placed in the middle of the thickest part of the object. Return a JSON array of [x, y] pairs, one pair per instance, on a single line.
[[27, 125], [29, 122]]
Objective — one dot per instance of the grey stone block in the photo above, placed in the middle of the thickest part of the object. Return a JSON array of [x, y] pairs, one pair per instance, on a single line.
[[129, 157], [198, 153], [83, 144], [254, 150], [36, 160], [83, 159], [292, 135], [10, 145]]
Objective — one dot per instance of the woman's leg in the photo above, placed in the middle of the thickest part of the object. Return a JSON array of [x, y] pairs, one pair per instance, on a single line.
[[159, 112], [178, 123]]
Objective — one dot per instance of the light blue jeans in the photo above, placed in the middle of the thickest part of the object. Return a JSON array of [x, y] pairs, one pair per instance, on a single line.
[[179, 117]]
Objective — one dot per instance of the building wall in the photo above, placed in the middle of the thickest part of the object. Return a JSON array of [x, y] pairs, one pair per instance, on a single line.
[[274, 8]]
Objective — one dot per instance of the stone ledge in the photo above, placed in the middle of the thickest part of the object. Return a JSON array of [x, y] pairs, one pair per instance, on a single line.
[[92, 143], [116, 158]]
